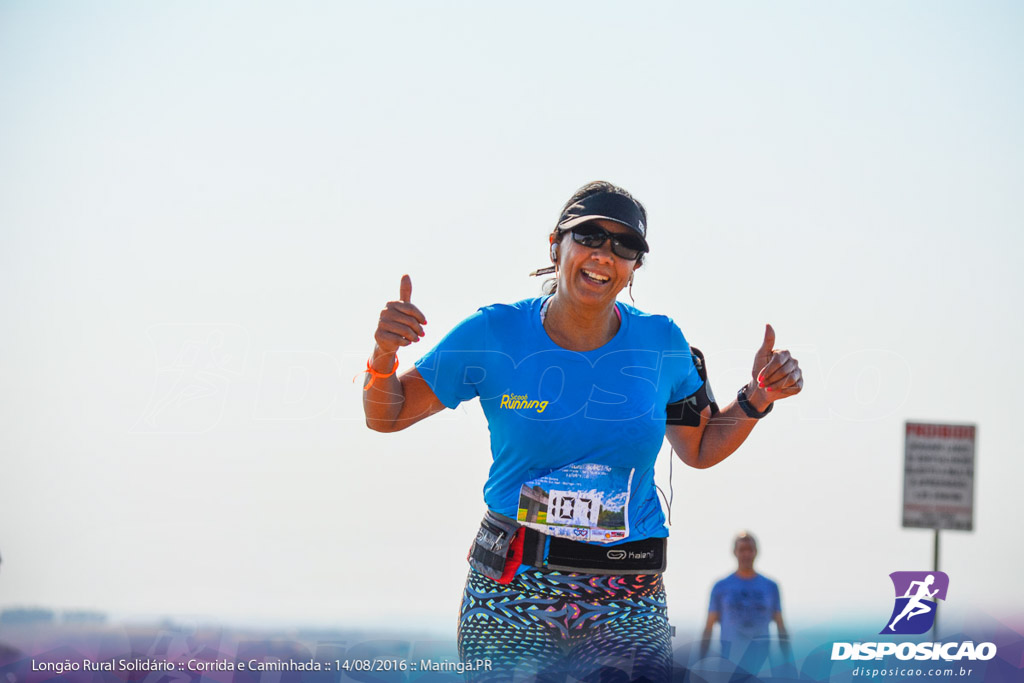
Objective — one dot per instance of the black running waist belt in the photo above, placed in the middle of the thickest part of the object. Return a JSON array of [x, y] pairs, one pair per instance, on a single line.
[[646, 556], [502, 545]]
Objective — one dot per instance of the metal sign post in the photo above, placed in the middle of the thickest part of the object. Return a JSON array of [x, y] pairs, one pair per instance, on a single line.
[[938, 481]]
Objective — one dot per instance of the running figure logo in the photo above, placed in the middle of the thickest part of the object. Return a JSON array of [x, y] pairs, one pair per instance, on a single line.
[[916, 596]]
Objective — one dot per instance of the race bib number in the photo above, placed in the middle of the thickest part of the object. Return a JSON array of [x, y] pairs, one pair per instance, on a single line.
[[582, 502]]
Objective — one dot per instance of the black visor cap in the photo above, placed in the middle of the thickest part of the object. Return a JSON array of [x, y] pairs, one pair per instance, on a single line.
[[606, 206]]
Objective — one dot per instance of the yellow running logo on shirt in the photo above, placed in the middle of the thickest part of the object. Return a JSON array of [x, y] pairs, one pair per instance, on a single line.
[[514, 402]]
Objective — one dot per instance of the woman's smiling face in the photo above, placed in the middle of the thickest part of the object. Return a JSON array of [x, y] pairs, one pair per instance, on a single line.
[[591, 276]]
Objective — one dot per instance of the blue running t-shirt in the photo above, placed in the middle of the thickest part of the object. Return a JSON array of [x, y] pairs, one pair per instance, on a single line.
[[550, 408], [745, 608]]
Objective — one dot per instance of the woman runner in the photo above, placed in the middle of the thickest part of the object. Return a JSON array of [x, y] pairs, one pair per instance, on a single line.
[[579, 392]]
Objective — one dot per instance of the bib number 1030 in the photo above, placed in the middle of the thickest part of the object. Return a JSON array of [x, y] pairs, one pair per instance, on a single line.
[[573, 507]]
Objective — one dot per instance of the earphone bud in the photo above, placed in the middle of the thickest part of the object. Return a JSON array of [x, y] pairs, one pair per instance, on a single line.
[[554, 252]]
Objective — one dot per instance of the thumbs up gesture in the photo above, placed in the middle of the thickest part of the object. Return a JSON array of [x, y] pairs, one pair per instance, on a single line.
[[401, 323], [776, 373]]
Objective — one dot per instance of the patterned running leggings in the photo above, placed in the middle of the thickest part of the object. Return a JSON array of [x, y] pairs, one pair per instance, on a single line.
[[547, 625]]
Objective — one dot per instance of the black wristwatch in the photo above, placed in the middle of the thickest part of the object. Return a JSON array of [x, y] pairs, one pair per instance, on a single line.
[[741, 398]]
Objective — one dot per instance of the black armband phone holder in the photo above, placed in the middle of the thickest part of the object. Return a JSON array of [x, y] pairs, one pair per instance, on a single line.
[[686, 413]]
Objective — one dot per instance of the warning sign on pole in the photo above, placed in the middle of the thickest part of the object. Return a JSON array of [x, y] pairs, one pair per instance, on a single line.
[[938, 476]]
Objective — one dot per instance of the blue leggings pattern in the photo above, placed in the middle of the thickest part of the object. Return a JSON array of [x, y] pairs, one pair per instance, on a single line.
[[546, 625]]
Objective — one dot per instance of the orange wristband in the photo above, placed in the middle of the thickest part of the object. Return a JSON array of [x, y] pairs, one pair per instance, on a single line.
[[374, 375]]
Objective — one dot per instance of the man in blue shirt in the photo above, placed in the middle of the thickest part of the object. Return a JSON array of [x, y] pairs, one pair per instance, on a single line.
[[745, 603]]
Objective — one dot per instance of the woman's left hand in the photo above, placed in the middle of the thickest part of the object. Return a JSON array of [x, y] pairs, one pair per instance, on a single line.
[[776, 373]]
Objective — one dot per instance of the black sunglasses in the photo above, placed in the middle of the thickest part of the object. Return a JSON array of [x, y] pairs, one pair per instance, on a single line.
[[626, 246]]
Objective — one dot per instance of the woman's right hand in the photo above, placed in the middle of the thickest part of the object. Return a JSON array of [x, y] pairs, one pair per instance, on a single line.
[[401, 323], [393, 403]]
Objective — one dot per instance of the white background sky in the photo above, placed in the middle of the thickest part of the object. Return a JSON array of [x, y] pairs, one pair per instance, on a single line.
[[203, 207]]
